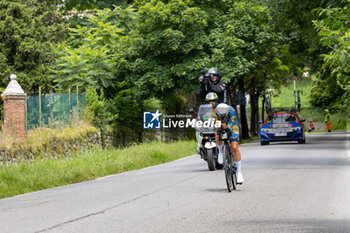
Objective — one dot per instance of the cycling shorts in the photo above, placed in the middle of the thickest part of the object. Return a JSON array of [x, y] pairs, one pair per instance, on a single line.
[[233, 137]]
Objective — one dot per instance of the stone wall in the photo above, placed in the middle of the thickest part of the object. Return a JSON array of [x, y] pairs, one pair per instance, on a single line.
[[54, 147]]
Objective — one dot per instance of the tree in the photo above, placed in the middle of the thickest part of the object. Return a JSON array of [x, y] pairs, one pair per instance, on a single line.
[[98, 56], [294, 19], [94, 52], [27, 30], [178, 39], [82, 5], [171, 38], [250, 52], [315, 28], [334, 29]]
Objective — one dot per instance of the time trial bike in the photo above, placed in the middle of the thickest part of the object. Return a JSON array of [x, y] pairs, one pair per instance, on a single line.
[[229, 166]]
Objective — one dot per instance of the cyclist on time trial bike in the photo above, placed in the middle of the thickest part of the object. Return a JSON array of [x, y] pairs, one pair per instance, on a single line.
[[227, 115]]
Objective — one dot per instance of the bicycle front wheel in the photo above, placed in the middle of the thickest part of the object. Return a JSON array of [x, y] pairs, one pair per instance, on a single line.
[[230, 173]]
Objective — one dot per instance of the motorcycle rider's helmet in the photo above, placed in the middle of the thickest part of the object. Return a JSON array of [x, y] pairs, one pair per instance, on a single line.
[[214, 71], [222, 111], [211, 96], [326, 111]]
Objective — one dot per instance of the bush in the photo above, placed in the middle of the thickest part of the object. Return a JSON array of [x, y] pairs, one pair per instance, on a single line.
[[326, 93]]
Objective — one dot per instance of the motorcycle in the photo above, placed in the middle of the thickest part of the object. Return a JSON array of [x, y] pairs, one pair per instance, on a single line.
[[206, 138]]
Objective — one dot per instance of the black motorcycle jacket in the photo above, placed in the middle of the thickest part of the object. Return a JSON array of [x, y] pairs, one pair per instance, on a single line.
[[218, 87]]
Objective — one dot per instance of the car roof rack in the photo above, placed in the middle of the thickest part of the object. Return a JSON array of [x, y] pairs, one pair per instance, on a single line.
[[282, 109]]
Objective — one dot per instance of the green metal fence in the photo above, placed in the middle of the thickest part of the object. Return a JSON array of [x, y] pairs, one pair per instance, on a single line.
[[54, 110]]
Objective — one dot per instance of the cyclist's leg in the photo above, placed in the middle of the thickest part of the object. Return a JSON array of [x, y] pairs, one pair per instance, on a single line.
[[220, 147], [236, 151], [234, 138], [237, 157]]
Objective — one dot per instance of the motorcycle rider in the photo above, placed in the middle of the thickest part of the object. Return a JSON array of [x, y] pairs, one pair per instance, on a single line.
[[210, 97], [215, 85], [227, 115]]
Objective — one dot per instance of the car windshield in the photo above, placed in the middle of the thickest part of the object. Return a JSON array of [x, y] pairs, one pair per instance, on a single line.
[[281, 118], [204, 112]]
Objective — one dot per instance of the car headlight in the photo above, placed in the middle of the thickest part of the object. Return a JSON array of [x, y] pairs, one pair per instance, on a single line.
[[265, 130]]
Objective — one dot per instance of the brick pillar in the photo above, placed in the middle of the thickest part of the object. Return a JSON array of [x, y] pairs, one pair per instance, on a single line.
[[14, 109]]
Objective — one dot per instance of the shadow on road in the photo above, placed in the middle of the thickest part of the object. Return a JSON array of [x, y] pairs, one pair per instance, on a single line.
[[224, 190]]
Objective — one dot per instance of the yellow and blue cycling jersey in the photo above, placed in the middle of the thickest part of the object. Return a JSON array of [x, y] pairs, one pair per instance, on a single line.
[[232, 124]]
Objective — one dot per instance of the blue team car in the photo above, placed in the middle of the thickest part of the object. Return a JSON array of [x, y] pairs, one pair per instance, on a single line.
[[282, 125]]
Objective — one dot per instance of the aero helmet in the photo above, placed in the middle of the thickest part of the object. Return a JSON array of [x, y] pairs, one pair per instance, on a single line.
[[222, 111]]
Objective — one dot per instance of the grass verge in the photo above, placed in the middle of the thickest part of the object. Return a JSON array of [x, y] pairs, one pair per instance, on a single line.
[[42, 174]]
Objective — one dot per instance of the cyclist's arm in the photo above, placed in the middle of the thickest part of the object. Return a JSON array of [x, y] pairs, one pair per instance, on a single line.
[[233, 121]]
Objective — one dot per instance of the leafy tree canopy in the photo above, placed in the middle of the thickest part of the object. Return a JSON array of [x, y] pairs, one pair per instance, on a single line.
[[334, 30], [294, 18], [94, 55], [28, 28], [97, 56], [172, 46], [92, 4]]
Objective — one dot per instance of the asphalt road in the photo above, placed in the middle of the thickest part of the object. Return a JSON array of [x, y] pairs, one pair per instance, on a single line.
[[288, 187]]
